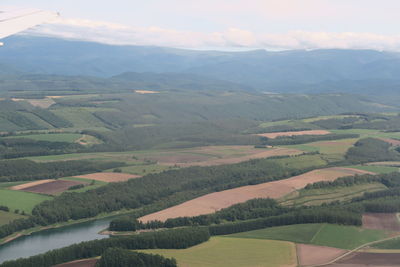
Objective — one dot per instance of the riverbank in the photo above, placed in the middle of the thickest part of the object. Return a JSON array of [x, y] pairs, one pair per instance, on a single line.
[[30, 231]]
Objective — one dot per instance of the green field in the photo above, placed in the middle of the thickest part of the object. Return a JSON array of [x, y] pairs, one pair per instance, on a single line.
[[345, 237], [81, 118], [23, 201], [303, 123], [334, 149], [311, 197], [233, 252], [9, 184], [390, 244], [51, 137], [369, 133], [6, 217], [305, 161]]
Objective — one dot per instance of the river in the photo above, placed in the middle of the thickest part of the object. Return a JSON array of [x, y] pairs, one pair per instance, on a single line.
[[46, 240]]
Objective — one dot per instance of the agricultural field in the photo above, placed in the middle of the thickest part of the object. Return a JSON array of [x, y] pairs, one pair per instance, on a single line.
[[330, 235], [365, 259], [108, 177], [385, 163], [233, 252], [369, 133], [6, 217], [19, 200], [84, 139], [81, 118], [42, 103], [381, 221], [334, 150], [314, 255], [375, 168], [51, 187], [276, 189], [310, 197]]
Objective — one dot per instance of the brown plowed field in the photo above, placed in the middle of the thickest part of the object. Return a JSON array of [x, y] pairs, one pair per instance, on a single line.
[[383, 221], [109, 177], [277, 134], [23, 186], [362, 259], [215, 201], [80, 263], [312, 255], [393, 142], [51, 188]]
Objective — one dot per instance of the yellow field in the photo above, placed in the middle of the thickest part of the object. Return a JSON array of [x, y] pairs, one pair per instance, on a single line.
[[234, 252]]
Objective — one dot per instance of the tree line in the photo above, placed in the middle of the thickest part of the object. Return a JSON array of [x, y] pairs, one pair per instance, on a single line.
[[24, 170], [117, 257], [24, 147]]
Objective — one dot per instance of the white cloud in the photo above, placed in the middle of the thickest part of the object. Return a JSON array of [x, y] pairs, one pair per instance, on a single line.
[[112, 33]]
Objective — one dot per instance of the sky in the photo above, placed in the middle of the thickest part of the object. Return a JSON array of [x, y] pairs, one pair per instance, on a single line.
[[226, 24]]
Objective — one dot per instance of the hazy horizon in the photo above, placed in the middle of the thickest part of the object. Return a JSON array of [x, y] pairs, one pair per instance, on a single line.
[[226, 25]]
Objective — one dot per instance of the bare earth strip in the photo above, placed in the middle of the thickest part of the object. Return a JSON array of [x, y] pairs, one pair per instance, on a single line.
[[79, 263], [109, 177], [311, 132], [51, 188], [216, 201], [231, 160], [382, 221], [143, 92], [313, 255], [23, 186], [361, 259]]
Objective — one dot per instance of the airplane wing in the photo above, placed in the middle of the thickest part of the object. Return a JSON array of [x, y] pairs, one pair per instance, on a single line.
[[14, 20]]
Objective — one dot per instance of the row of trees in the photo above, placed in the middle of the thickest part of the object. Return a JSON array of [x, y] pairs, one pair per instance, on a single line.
[[117, 257], [23, 170], [389, 180], [24, 147], [313, 215]]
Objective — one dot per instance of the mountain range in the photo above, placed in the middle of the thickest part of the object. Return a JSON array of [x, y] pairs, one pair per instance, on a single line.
[[318, 71]]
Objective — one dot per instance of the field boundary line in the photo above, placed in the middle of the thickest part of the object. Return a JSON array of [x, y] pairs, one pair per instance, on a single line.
[[354, 250], [319, 230]]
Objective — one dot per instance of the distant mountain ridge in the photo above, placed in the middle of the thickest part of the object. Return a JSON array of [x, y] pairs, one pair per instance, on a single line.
[[318, 71]]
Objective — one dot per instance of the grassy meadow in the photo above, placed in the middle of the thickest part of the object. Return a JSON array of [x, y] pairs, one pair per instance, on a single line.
[[6, 217], [338, 236], [19, 200]]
